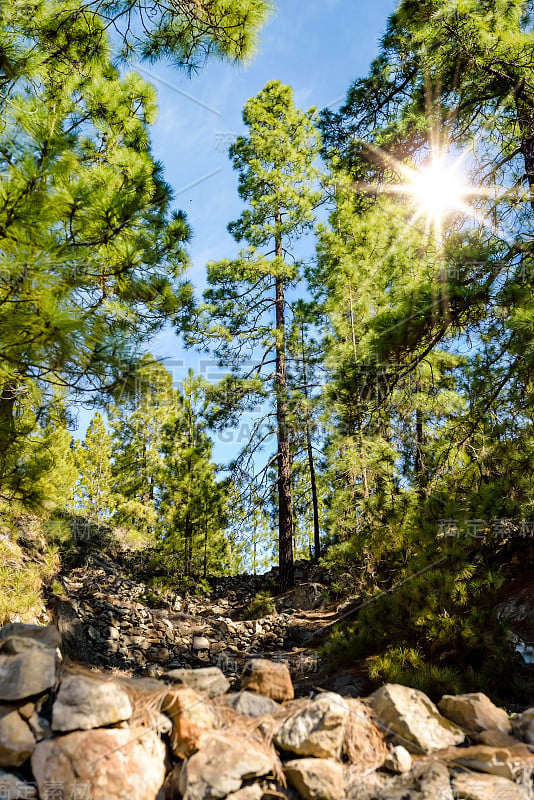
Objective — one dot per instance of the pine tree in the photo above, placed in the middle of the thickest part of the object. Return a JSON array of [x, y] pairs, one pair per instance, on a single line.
[[90, 252], [277, 178], [93, 459]]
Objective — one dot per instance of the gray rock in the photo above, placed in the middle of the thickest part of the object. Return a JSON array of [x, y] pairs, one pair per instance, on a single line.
[[12, 787], [251, 704], [426, 781], [316, 730], [412, 719], [209, 680], [16, 739], [524, 726], [316, 778], [47, 635], [220, 767], [29, 673], [84, 703]]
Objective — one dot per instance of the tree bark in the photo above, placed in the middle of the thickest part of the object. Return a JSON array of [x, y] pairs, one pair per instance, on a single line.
[[525, 118], [311, 464], [285, 510]]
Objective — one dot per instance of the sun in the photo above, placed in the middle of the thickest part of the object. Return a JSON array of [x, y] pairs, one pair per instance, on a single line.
[[438, 189]]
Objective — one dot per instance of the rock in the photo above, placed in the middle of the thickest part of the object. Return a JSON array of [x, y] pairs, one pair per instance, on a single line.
[[127, 764], [251, 704], [399, 760], [474, 713], [364, 744], [191, 717], [16, 739], [268, 678], [254, 792], [200, 643], [524, 726], [426, 781], [305, 597], [495, 738], [316, 778], [209, 680], [487, 787], [220, 767], [12, 787], [84, 703], [47, 635], [27, 674], [412, 719], [317, 729], [506, 762]]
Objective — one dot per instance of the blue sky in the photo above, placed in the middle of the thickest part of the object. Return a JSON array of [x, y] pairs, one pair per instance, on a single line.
[[316, 46]]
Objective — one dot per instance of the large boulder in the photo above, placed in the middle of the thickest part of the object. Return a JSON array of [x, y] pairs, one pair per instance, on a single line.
[[209, 680], [17, 742], [221, 765], [110, 764], [316, 778], [473, 786], [412, 719], [269, 678], [191, 717], [83, 703], [26, 669], [315, 730], [474, 713]]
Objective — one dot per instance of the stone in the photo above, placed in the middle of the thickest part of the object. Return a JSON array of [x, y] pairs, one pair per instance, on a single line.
[[524, 726], [315, 730], [426, 781], [495, 738], [221, 765], [487, 787], [27, 674], [191, 717], [125, 764], [268, 678], [209, 680], [412, 719], [200, 643], [399, 760], [316, 778], [251, 704], [507, 762], [474, 713], [254, 792], [109, 764], [12, 787], [305, 597], [47, 635], [83, 703], [17, 742]]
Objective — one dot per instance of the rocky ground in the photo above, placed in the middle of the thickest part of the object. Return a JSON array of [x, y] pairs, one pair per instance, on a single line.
[[70, 733], [115, 622]]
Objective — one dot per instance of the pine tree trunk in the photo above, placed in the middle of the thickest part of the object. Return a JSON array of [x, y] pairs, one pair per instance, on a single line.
[[525, 117], [311, 465], [285, 512]]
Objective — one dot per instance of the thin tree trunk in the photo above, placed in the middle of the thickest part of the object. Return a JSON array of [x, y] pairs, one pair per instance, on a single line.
[[420, 477], [285, 511], [525, 117], [311, 463]]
